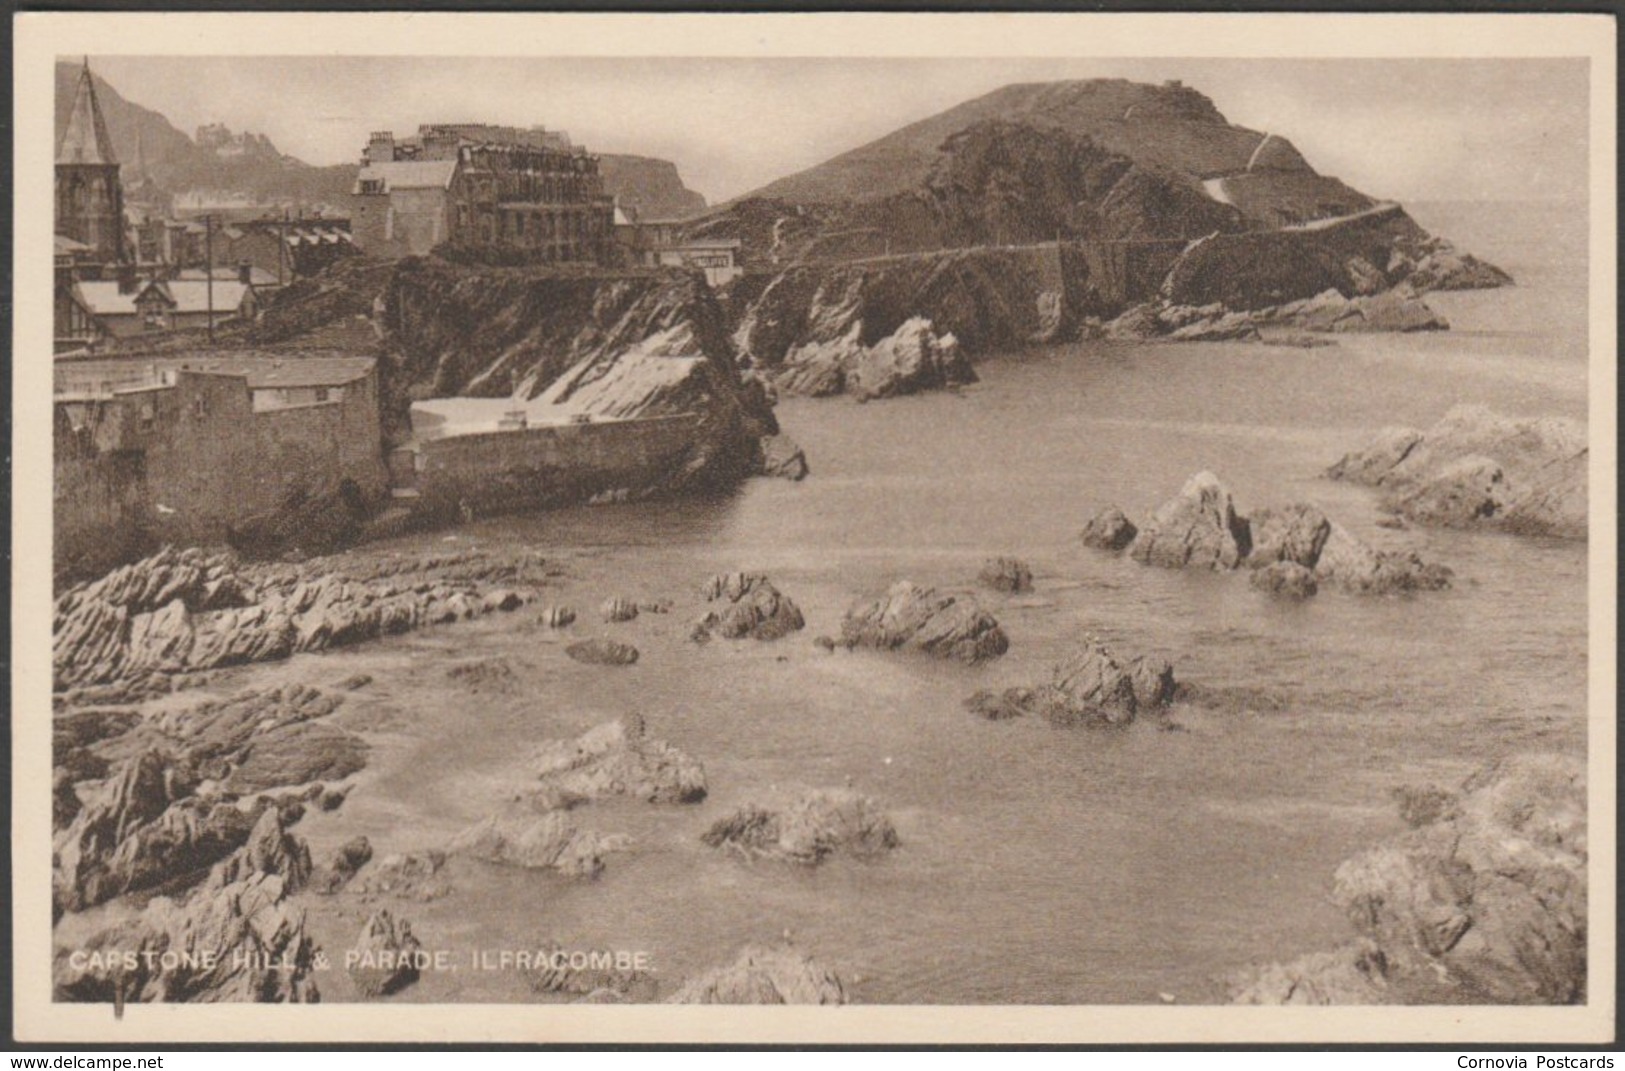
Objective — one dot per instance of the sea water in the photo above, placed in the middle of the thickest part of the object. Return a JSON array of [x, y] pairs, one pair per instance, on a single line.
[[1036, 864]]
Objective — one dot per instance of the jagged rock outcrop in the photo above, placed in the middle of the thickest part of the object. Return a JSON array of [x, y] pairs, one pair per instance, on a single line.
[[233, 939], [617, 758], [813, 827], [1294, 550], [1398, 310], [522, 837], [1090, 687], [1475, 468], [754, 608], [346, 861], [914, 618], [1484, 903], [765, 976], [1006, 574], [1110, 529], [1356, 567], [385, 958], [1199, 527], [404, 876], [558, 617], [216, 612]]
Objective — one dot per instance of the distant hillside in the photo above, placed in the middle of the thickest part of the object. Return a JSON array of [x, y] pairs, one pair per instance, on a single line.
[[1084, 160], [242, 163], [651, 187]]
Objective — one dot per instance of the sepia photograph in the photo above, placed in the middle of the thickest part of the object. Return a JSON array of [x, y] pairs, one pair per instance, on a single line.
[[1053, 525]]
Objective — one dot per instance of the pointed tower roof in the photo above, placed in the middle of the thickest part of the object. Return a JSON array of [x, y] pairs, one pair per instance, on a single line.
[[86, 140]]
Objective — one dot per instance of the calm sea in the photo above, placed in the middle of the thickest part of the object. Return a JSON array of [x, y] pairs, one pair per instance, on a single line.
[[1037, 865]]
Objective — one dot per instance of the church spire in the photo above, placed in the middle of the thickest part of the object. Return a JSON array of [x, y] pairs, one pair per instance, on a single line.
[[86, 141]]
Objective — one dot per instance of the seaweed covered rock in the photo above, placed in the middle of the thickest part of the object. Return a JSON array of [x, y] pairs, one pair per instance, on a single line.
[[1285, 579], [915, 618], [1198, 527], [814, 826], [754, 608], [618, 759], [1485, 902], [765, 976]]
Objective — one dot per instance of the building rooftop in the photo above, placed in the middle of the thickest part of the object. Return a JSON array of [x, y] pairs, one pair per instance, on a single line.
[[86, 141], [104, 298], [263, 371], [408, 174]]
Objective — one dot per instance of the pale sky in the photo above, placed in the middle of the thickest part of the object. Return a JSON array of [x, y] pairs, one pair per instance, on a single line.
[[1408, 129]]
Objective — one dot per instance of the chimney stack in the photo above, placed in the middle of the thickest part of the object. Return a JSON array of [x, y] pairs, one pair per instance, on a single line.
[[126, 278], [245, 272]]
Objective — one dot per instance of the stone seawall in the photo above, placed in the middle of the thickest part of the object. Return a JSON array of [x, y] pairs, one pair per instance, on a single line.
[[504, 471], [194, 464]]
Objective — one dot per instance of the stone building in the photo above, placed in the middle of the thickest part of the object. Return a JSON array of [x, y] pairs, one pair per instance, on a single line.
[[184, 449], [479, 185], [89, 193]]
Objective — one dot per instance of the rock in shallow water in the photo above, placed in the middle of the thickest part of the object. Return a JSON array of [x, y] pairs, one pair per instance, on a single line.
[[756, 609], [1110, 529], [915, 618], [765, 976], [1484, 904], [1006, 574], [1198, 527], [601, 652], [618, 759], [815, 826], [1091, 687], [1286, 579]]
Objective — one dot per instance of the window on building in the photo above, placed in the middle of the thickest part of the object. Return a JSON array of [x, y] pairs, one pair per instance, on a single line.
[[372, 185], [321, 394]]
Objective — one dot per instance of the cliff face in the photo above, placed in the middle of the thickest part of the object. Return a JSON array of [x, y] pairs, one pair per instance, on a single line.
[[612, 344], [652, 188]]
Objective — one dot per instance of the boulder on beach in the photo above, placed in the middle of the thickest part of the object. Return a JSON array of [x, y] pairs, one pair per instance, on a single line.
[[816, 825], [1110, 529], [602, 652], [617, 758], [1476, 468], [911, 617], [1199, 527], [1484, 903], [384, 958], [765, 976], [1006, 574], [754, 609]]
